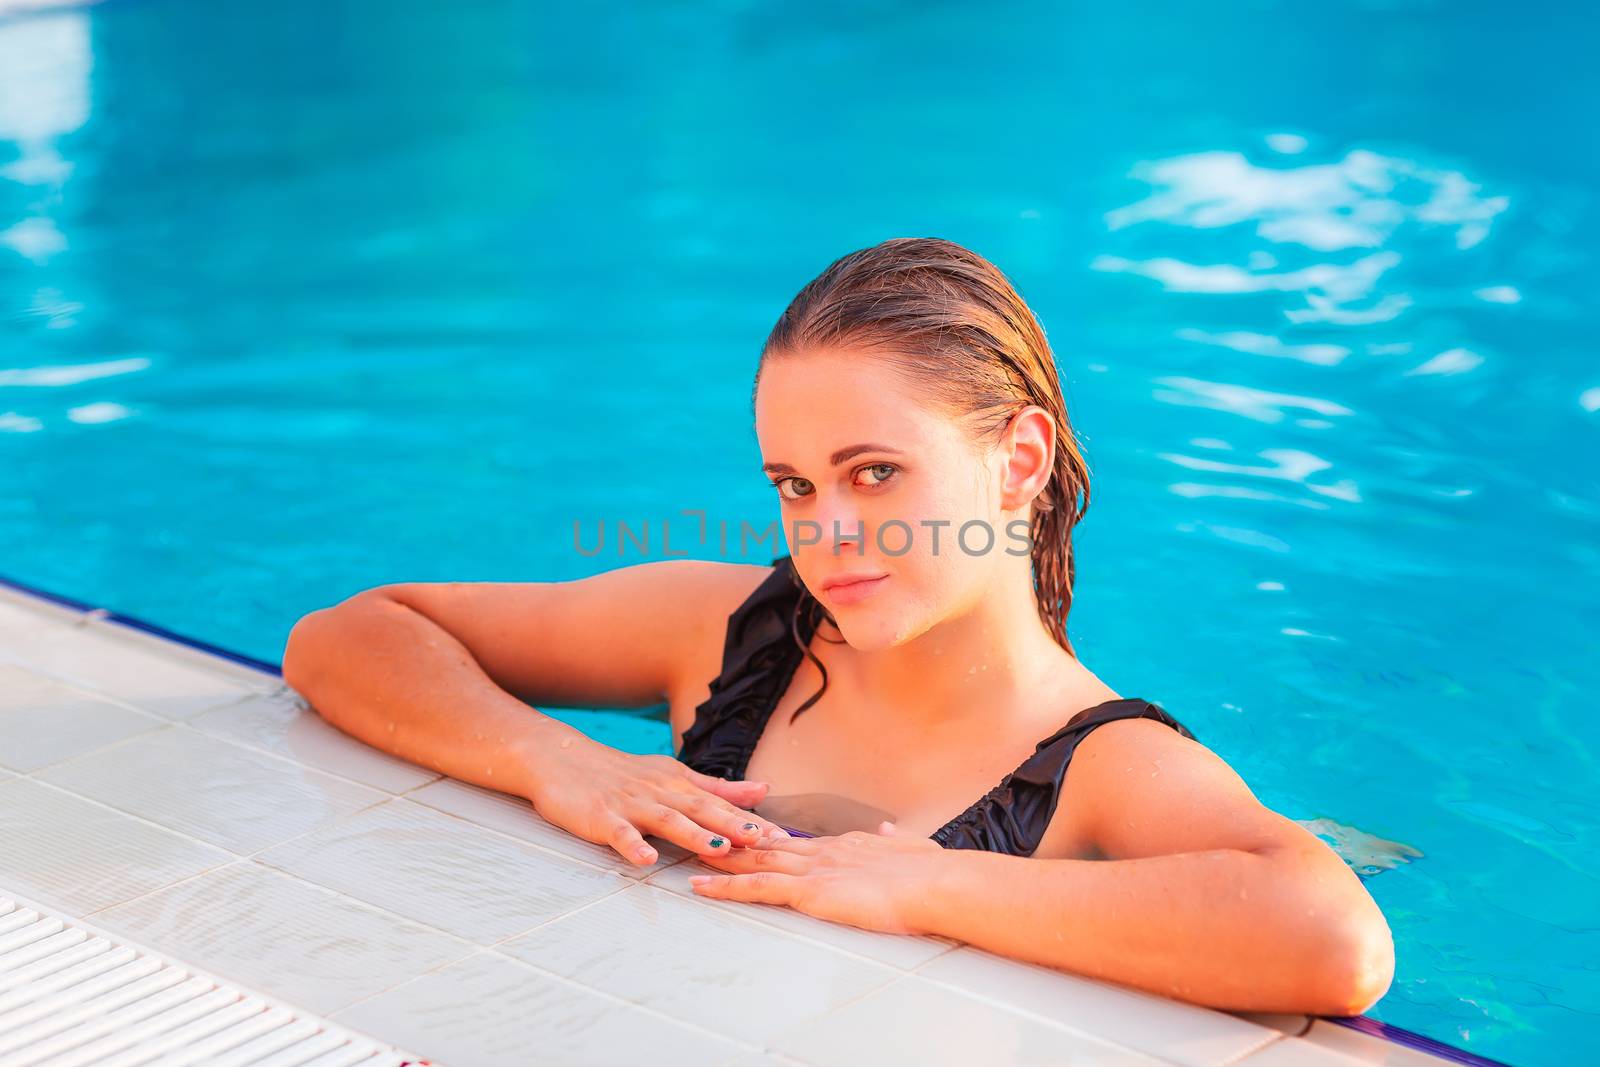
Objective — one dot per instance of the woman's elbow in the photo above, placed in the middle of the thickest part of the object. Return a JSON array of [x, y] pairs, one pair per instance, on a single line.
[[298, 656], [1359, 963], [308, 647]]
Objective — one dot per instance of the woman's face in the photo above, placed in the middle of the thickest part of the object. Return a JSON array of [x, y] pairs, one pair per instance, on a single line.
[[893, 508]]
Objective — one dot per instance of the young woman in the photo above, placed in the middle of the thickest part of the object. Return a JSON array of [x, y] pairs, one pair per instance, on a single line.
[[874, 686]]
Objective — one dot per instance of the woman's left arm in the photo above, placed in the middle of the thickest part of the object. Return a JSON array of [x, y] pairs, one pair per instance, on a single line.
[[1197, 891], [1204, 894]]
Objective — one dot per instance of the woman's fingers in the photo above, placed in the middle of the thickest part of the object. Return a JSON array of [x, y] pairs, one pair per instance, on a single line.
[[666, 820], [750, 860], [630, 843], [673, 825], [737, 798], [744, 794], [804, 846], [714, 813]]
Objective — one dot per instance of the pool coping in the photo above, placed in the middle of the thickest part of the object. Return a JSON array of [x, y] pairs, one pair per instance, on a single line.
[[1360, 1023]]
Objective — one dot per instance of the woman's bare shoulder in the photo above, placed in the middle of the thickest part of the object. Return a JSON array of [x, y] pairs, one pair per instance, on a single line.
[[1137, 787]]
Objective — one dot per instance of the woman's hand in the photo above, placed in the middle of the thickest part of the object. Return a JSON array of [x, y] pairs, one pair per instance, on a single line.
[[614, 798], [865, 880]]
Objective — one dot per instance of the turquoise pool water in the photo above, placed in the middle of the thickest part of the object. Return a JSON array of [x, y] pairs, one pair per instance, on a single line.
[[297, 299]]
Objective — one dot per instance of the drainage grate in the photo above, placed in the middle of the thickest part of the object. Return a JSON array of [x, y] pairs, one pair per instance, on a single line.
[[71, 996]]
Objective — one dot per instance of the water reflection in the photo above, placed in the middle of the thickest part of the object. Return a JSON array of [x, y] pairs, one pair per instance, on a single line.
[[1367, 854], [1320, 244], [1260, 405], [1264, 344], [45, 63], [1357, 202], [44, 94]]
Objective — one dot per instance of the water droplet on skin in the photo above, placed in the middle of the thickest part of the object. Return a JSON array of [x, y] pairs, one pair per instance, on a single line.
[[488, 771], [391, 728], [1244, 894], [566, 742]]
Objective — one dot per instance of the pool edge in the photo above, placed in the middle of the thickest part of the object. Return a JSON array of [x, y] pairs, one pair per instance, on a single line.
[[1362, 1023]]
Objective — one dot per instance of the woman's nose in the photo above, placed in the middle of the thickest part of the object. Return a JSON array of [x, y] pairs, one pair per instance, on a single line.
[[845, 527]]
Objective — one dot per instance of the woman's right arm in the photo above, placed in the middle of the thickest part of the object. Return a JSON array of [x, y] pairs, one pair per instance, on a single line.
[[437, 673]]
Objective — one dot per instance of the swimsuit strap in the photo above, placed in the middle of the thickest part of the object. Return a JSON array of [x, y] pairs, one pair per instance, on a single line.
[[1013, 816]]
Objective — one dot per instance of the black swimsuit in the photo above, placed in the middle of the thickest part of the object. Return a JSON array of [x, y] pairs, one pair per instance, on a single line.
[[759, 660]]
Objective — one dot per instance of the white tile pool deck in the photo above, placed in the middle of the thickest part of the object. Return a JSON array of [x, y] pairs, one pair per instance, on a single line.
[[163, 802]]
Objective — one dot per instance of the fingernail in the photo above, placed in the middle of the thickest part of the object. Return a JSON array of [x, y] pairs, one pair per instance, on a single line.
[[717, 842], [747, 827], [643, 852]]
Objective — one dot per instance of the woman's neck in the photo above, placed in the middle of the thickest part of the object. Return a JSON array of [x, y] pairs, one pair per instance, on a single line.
[[994, 658]]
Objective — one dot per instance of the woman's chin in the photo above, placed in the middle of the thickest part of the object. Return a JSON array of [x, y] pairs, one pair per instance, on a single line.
[[873, 633]]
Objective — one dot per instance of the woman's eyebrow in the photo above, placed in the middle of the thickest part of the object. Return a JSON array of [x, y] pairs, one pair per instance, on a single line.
[[835, 459]]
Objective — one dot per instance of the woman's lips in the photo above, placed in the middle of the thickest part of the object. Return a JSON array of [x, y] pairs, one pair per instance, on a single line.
[[851, 592]]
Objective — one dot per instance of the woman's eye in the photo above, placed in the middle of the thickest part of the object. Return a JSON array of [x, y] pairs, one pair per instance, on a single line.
[[800, 486], [887, 468]]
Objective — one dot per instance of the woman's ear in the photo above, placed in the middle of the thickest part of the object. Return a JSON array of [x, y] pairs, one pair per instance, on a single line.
[[1029, 448]]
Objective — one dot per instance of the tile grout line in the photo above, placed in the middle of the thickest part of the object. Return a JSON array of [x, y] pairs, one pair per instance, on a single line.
[[79, 688], [994, 1001], [82, 686], [895, 975], [100, 621], [164, 722], [253, 856], [1058, 1024], [1276, 1037], [524, 841], [128, 814], [183, 833], [560, 978], [494, 949], [815, 939], [791, 1024], [253, 747], [343, 897]]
